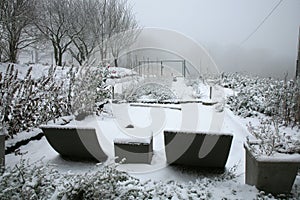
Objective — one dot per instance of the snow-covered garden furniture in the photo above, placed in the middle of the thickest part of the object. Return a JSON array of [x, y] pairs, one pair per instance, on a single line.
[[2, 150], [274, 174], [75, 143], [134, 150], [197, 149]]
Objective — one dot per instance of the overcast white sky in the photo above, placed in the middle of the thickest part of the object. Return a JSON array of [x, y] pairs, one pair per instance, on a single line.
[[221, 26]]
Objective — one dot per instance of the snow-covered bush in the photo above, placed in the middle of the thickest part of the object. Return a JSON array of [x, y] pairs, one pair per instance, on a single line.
[[28, 181], [152, 91], [39, 181], [200, 88], [28, 102], [269, 139], [87, 86], [107, 183], [264, 95], [35, 181], [128, 87]]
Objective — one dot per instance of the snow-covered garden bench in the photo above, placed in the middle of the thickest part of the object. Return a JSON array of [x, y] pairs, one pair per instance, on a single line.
[[197, 149], [74, 143], [134, 150]]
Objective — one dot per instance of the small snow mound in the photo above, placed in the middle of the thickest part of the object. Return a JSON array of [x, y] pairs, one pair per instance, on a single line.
[[120, 72]]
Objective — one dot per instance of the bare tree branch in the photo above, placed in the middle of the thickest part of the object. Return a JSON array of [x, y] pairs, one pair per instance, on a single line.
[[55, 23], [16, 21]]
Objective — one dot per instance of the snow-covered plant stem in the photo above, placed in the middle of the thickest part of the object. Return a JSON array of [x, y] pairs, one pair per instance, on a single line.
[[269, 140]]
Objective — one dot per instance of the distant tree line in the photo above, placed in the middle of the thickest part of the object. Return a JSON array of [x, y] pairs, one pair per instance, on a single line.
[[79, 27]]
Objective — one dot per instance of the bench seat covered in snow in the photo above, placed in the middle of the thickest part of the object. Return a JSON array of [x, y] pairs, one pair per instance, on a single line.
[[134, 150], [197, 149], [75, 143]]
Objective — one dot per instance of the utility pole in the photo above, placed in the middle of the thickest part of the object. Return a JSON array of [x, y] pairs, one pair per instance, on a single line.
[[298, 58]]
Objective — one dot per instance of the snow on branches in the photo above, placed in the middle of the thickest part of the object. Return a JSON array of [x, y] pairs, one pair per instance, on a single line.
[[28, 102]]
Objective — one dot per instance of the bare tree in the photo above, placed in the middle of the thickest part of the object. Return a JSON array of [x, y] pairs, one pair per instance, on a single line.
[[101, 25], [114, 18], [82, 26], [54, 22], [16, 27], [84, 43], [124, 27], [121, 41]]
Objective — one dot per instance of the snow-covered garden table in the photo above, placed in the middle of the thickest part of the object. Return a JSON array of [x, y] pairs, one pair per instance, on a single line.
[[134, 150]]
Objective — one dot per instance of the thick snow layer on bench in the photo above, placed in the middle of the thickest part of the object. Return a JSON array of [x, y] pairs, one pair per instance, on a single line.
[[62, 120], [132, 140], [196, 132], [176, 107], [67, 127]]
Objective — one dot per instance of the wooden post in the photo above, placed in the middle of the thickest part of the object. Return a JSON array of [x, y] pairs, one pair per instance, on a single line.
[[298, 58], [139, 67], [148, 69], [161, 68], [183, 68]]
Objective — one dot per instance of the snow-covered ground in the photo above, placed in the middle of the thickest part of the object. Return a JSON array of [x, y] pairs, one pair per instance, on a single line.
[[107, 131], [39, 70], [110, 126]]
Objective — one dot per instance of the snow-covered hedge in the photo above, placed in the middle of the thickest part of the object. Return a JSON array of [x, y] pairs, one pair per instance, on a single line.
[[37, 181], [28, 102], [280, 98], [25, 181], [152, 91]]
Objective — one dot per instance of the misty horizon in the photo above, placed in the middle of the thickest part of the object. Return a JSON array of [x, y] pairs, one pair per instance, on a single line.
[[222, 27]]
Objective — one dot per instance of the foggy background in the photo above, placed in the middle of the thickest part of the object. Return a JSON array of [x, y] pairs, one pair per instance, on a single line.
[[222, 27]]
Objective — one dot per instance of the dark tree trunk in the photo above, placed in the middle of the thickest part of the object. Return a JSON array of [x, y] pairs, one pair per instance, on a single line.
[[59, 61], [55, 52], [58, 54], [13, 51], [116, 62]]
